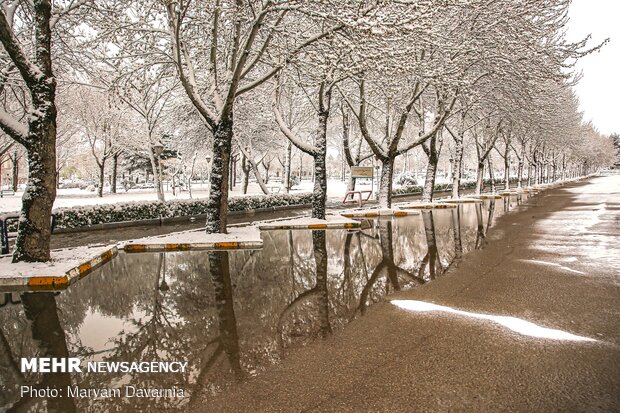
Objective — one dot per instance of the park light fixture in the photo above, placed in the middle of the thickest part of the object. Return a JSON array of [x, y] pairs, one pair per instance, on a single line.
[[158, 148]]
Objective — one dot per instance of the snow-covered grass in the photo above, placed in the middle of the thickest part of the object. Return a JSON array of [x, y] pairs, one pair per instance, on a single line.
[[67, 198]]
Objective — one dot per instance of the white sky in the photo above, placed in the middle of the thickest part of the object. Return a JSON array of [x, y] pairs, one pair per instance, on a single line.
[[599, 89]]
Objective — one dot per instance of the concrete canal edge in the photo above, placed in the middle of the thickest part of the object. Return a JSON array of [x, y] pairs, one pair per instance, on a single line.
[[58, 281], [335, 225], [204, 246], [374, 213]]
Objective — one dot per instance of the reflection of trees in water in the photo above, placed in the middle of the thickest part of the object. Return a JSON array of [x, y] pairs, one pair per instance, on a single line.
[[227, 342], [41, 312], [431, 260], [313, 303], [233, 313], [387, 267], [229, 338], [482, 230], [456, 229]]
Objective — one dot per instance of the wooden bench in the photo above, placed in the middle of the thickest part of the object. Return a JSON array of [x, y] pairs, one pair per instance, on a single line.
[[360, 194], [275, 189]]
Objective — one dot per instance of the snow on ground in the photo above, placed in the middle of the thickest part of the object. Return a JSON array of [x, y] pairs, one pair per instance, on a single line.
[[80, 197], [62, 261], [304, 222], [245, 234]]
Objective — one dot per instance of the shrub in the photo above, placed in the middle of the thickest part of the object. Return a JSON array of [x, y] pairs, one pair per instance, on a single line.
[[407, 179], [134, 211], [417, 189]]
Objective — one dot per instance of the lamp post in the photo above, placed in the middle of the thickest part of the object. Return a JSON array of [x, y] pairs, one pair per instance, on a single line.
[[158, 148]]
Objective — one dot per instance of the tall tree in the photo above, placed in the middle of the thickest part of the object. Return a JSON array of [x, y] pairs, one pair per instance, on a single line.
[[26, 35]]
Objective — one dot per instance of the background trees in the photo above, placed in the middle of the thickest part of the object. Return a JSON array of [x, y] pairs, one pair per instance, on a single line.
[[237, 89]]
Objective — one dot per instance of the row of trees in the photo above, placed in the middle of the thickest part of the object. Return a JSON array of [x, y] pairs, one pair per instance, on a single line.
[[382, 78]]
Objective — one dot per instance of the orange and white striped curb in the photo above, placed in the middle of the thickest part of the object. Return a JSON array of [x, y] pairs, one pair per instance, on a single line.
[[328, 225], [427, 205], [57, 281], [485, 196], [373, 213], [197, 246], [462, 200]]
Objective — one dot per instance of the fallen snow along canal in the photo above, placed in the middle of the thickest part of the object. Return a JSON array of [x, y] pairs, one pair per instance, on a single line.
[[229, 314]]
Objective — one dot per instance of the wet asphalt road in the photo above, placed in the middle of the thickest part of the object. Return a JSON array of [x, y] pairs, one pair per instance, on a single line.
[[555, 264]]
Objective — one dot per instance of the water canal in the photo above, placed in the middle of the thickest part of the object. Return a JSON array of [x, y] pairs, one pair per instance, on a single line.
[[230, 315]]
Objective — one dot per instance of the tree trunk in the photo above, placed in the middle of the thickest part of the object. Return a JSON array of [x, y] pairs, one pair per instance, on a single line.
[[245, 167], [520, 174], [114, 174], [563, 167], [259, 179], [457, 166], [34, 232], [320, 171], [15, 161], [319, 197], [480, 177], [385, 181], [287, 167], [507, 169], [101, 178], [231, 175], [431, 170], [217, 208], [155, 166], [491, 175], [267, 167], [351, 183]]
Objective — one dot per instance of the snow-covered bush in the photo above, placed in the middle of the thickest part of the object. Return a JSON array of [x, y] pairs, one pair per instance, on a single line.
[[407, 179], [135, 211], [417, 189]]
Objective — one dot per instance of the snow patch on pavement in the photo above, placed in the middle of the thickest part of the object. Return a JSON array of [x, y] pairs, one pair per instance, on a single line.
[[62, 262]]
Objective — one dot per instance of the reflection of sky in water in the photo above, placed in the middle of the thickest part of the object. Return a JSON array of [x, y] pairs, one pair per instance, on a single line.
[[97, 329], [262, 304], [518, 325]]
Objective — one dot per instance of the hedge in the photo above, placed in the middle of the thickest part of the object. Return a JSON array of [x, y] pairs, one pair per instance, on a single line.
[[417, 189], [76, 217]]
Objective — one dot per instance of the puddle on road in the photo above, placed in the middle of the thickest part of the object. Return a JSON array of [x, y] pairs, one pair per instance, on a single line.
[[229, 314]]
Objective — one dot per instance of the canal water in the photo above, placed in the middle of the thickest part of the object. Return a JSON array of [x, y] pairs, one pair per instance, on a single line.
[[229, 315]]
